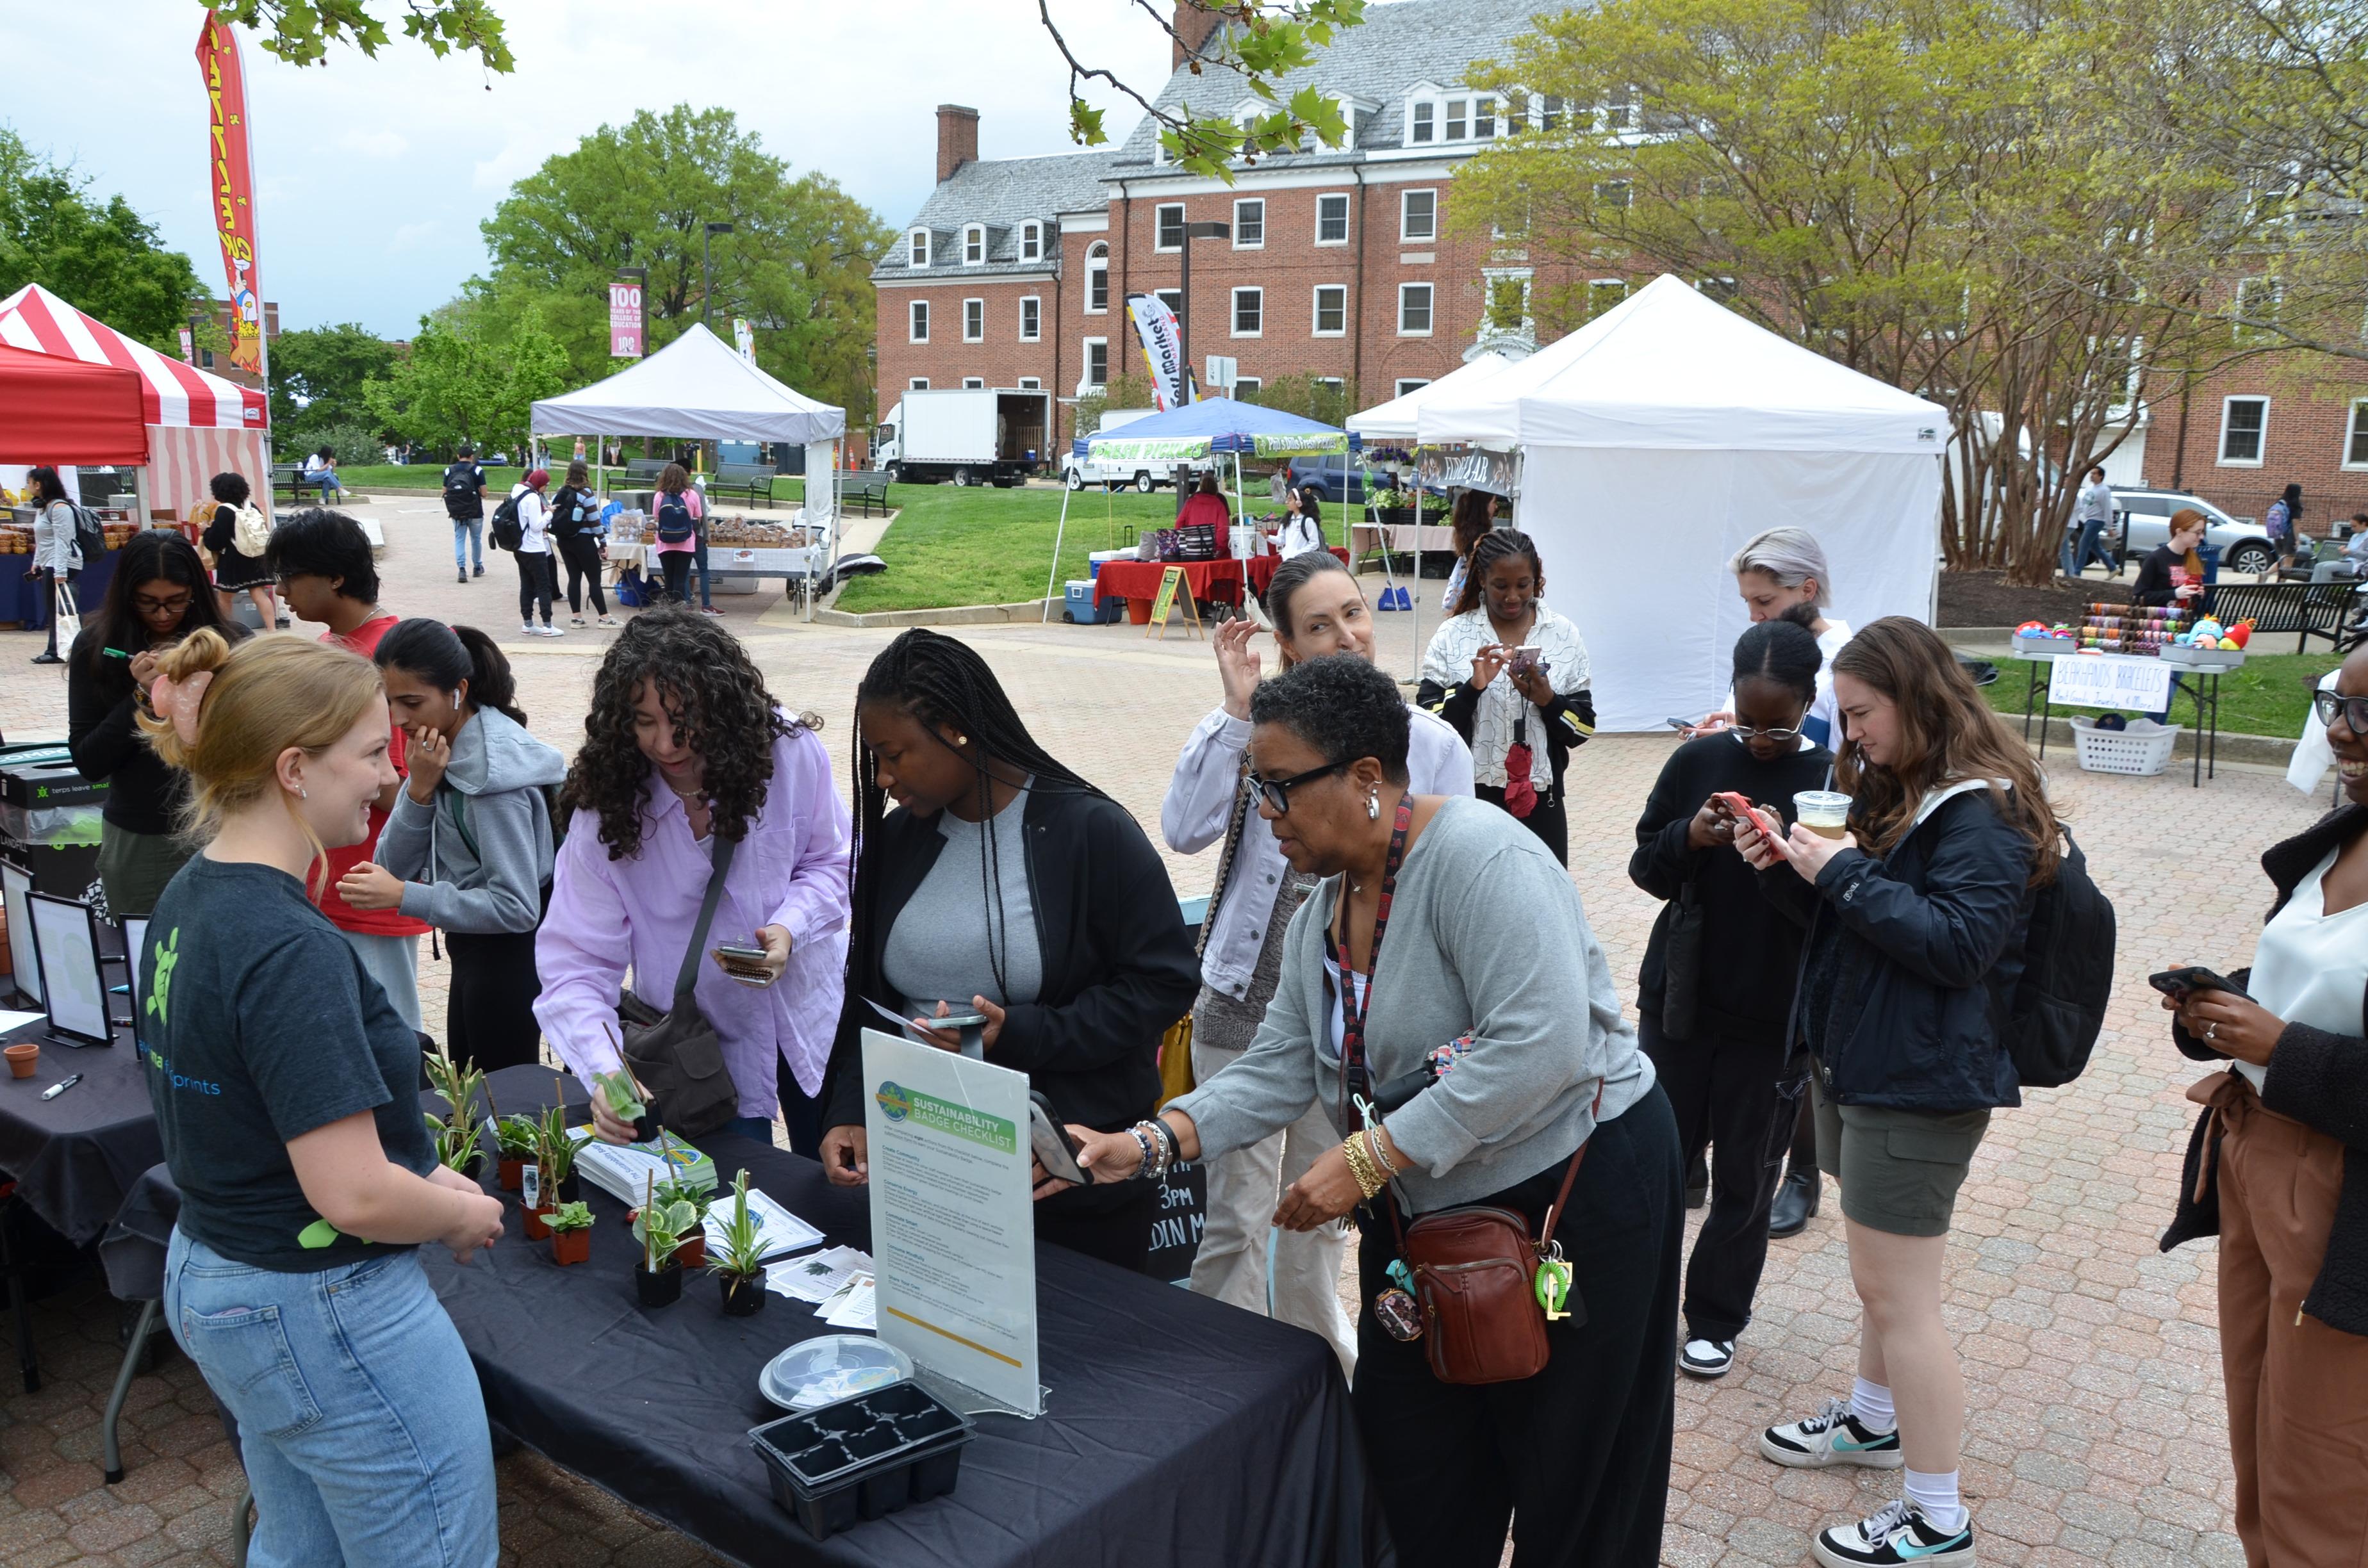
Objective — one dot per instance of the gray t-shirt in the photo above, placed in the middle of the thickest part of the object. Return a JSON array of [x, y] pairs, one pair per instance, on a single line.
[[937, 950]]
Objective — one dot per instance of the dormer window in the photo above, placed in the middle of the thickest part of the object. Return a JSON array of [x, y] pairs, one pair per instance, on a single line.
[[919, 252], [1424, 125], [1457, 110], [1483, 116], [974, 244], [1032, 241]]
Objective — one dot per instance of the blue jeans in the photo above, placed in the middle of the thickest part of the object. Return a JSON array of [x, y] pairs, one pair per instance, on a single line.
[[360, 1417], [328, 481], [2084, 545], [469, 539], [699, 560]]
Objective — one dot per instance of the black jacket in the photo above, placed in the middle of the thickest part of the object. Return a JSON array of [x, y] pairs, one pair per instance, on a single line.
[[1750, 944], [1119, 969], [2314, 1077], [2154, 585], [1910, 971], [103, 732]]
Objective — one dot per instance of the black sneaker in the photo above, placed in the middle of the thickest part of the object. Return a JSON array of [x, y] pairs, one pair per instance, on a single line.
[[464, 577], [1706, 1357], [1897, 1535], [46, 657], [1831, 1436]]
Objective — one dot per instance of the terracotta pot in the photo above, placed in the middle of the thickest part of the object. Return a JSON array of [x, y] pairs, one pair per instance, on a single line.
[[24, 1058], [744, 1294], [537, 1221], [512, 1173], [662, 1289], [571, 1246], [692, 1254]]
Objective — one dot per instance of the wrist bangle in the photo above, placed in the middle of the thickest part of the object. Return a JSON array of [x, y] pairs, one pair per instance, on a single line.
[[1167, 1134], [1142, 1169], [1361, 1167], [1381, 1154]]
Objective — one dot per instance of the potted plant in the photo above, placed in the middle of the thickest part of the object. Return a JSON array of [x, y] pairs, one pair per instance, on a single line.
[[739, 1264], [516, 1138], [461, 1085], [658, 1278], [1394, 507], [556, 1152], [693, 1250], [571, 1233], [624, 1100]]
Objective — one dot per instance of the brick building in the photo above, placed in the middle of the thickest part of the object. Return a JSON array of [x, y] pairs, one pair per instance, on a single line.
[[219, 364], [1339, 263], [2241, 435]]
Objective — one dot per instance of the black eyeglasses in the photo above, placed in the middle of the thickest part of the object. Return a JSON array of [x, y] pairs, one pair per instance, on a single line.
[[2328, 704], [1744, 736], [1276, 792]]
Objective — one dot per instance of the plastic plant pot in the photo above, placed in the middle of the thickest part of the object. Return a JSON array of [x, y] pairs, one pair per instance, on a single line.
[[692, 1253], [572, 1189], [572, 1247], [512, 1173], [744, 1294], [537, 1222], [663, 1289]]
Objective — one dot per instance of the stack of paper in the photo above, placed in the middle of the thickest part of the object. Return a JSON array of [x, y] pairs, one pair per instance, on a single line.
[[778, 1231], [625, 1171], [817, 1278], [851, 1306]]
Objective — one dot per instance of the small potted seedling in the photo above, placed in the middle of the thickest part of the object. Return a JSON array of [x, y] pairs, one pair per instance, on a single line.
[[623, 1097], [658, 1278], [555, 1151], [571, 1232], [516, 1137], [739, 1264], [693, 1251], [536, 1204], [461, 1085]]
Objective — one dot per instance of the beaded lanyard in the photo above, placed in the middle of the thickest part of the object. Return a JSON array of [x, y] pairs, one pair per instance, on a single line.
[[1356, 1083]]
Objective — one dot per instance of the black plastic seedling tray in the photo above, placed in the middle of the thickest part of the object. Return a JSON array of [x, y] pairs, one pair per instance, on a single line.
[[862, 1457]]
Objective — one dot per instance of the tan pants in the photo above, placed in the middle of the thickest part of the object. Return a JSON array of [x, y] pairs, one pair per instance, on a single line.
[[1244, 1187], [2297, 1389]]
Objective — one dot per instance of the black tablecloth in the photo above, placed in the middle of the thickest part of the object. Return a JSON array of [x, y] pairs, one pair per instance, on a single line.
[[1178, 1431], [74, 1157]]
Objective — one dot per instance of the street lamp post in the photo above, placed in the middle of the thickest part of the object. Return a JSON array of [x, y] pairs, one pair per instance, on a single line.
[[1212, 231], [707, 268]]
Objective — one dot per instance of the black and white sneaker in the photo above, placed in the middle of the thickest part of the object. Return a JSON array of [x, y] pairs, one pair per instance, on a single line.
[[1706, 1357], [1831, 1436], [1897, 1535]]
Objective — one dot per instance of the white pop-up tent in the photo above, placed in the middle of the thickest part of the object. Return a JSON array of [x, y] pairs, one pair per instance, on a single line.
[[1392, 422], [1657, 440], [697, 388]]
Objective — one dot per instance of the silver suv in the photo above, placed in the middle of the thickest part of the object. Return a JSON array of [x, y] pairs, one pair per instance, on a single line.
[[2143, 521]]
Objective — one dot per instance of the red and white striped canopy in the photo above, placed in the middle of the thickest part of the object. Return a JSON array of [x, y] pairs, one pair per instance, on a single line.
[[172, 393]]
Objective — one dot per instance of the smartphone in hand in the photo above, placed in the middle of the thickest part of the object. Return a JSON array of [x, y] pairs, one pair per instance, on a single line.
[[1050, 1142], [2184, 982], [1748, 812]]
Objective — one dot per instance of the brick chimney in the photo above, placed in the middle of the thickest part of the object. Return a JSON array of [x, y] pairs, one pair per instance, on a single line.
[[1194, 23], [957, 138]]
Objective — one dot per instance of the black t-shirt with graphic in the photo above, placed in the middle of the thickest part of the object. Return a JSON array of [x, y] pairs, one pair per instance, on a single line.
[[261, 1026]]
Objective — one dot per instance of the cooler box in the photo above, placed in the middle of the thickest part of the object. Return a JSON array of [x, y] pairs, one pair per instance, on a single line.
[[1094, 559], [1079, 607]]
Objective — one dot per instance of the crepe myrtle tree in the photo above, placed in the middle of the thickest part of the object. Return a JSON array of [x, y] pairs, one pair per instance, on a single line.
[[301, 31]]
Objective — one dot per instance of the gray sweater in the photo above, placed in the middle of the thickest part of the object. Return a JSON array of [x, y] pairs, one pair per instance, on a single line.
[[1486, 937], [493, 884]]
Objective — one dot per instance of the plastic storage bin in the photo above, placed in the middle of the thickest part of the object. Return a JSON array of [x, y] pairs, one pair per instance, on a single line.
[[2143, 749], [863, 1457]]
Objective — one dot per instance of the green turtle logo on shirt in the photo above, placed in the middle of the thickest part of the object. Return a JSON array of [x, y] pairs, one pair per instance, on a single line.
[[160, 981]]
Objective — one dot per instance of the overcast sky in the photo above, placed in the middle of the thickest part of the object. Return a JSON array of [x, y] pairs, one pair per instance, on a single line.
[[375, 173]]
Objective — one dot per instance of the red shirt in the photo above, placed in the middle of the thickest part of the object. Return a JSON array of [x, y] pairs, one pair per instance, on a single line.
[[364, 639], [1210, 509]]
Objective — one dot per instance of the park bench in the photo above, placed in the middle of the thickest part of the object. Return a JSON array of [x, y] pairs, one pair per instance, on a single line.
[[645, 471], [287, 478], [863, 488], [2307, 609], [754, 480]]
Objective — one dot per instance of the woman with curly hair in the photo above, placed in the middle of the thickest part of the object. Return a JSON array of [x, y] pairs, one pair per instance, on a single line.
[[683, 747], [1011, 887]]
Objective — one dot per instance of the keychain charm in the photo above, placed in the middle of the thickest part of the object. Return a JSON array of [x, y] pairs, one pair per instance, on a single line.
[[1553, 1285], [1399, 1314]]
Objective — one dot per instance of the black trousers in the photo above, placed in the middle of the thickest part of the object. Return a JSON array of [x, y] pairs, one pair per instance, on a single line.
[[536, 584], [490, 1013], [1120, 1236], [1577, 1457], [1550, 820], [1728, 1093], [582, 554], [675, 564]]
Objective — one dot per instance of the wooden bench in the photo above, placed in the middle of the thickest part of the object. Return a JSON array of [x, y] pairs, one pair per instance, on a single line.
[[2307, 609], [754, 480], [863, 488]]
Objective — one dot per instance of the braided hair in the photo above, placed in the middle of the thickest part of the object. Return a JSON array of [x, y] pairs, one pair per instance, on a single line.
[[1496, 545], [942, 681], [1782, 651]]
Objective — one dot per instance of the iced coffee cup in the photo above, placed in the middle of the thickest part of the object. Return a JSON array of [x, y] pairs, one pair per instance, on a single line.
[[1825, 812]]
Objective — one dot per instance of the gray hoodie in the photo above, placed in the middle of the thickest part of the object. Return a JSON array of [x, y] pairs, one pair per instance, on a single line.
[[476, 861]]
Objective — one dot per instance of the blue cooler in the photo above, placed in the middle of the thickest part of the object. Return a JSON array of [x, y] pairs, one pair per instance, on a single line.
[[1079, 606]]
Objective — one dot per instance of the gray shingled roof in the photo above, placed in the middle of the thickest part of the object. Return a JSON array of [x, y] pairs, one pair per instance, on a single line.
[[1395, 47], [1002, 195]]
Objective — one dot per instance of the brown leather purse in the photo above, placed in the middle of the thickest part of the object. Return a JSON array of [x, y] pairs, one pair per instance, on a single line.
[[1476, 1277]]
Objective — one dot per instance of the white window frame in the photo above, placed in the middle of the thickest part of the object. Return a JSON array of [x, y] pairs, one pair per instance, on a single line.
[[1315, 311], [1032, 318], [1549, 111], [1455, 125], [1343, 198], [1085, 361], [2356, 436], [2276, 288], [1172, 298], [916, 249], [1258, 301], [1422, 122], [1032, 241], [1257, 203], [973, 384], [1429, 234], [973, 244], [974, 326], [1245, 386], [1097, 264], [1429, 310], [1490, 109], [2261, 436], [917, 384], [1410, 384], [1159, 226], [1032, 383], [1596, 288], [916, 321]]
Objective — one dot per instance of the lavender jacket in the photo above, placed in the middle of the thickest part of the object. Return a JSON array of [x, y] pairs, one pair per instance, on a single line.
[[790, 871]]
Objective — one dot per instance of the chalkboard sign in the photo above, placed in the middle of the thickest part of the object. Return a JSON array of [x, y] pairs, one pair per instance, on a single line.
[[1183, 1213]]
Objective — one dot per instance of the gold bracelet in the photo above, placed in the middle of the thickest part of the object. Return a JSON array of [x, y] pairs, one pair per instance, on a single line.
[[1361, 1166]]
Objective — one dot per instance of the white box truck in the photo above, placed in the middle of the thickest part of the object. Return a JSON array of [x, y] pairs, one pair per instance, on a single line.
[[1077, 472], [971, 436]]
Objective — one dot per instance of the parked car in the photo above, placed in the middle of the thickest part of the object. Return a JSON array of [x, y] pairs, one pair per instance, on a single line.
[[2143, 520], [1333, 480]]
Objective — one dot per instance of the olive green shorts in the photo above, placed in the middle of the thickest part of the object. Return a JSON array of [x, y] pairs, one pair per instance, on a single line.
[[1899, 1170]]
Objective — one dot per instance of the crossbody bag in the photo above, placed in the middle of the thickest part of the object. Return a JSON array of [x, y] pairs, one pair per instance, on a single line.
[[677, 1054]]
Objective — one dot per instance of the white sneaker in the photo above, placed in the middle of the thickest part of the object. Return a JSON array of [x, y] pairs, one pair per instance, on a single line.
[[553, 632], [527, 627], [1706, 1357], [1831, 1436], [1896, 1535]]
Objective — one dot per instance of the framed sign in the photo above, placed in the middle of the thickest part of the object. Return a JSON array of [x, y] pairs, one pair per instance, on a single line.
[[16, 889], [72, 985], [1163, 605]]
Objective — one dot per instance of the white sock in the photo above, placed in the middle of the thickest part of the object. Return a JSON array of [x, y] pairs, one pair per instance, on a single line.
[[1871, 1402], [1937, 1495]]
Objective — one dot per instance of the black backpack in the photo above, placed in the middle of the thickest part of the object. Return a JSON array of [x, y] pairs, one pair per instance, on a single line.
[[2067, 976], [90, 535], [463, 489], [508, 532], [674, 517]]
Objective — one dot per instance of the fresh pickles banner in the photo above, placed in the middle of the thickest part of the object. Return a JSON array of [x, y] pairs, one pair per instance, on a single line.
[[231, 165], [1162, 351], [1150, 448]]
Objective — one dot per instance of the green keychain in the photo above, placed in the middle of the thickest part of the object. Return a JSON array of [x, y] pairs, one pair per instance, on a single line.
[[1553, 1285]]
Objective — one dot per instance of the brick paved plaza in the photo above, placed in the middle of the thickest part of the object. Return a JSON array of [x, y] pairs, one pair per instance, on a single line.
[[2095, 1432]]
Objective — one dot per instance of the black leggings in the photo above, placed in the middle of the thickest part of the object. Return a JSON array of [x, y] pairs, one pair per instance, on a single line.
[[675, 564], [490, 1014], [535, 585], [582, 552]]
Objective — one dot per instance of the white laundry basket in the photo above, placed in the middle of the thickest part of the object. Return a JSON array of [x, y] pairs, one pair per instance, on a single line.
[[2143, 749]]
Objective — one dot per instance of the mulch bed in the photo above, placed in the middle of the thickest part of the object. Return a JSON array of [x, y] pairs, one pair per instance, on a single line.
[[1987, 599]]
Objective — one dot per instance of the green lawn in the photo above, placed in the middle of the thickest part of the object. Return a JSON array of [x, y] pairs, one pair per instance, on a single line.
[[2270, 696], [954, 546]]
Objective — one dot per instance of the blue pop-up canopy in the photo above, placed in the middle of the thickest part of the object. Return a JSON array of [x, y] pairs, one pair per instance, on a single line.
[[1216, 425]]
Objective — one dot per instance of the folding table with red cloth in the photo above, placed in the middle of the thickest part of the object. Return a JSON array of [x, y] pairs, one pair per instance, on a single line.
[[1137, 582], [1262, 569]]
